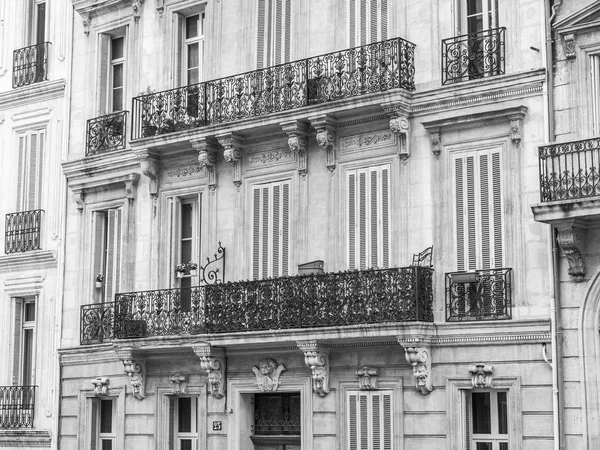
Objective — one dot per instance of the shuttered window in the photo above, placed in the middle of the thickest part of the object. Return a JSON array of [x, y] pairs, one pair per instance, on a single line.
[[368, 194], [102, 424], [368, 21], [107, 237], [184, 229], [112, 66], [478, 210], [31, 163], [595, 94], [182, 428], [486, 420], [274, 29], [23, 344], [270, 229], [370, 424]]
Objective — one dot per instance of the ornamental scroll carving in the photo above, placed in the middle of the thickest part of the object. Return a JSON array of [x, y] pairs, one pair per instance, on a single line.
[[418, 358], [207, 157], [232, 153], [316, 358], [267, 374], [481, 375], [326, 127], [367, 378], [100, 386], [212, 360], [179, 383], [569, 45], [136, 371], [297, 132], [570, 239], [400, 126]]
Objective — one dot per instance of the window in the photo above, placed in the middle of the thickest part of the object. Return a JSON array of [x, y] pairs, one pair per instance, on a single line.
[[37, 24], [274, 27], [595, 94], [270, 230], [103, 435], [117, 75], [368, 193], [193, 48], [480, 15], [485, 48], [184, 225], [24, 342], [487, 420], [113, 54], [107, 239], [183, 428], [370, 420], [478, 209], [368, 21], [29, 177]]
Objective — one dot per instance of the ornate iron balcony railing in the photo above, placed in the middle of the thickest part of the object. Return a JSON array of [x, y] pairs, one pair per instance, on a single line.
[[30, 64], [348, 73], [480, 295], [17, 406], [106, 133], [570, 170], [22, 231], [97, 323], [474, 55]]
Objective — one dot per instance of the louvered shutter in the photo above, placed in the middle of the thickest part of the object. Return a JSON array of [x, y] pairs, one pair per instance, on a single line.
[[367, 21], [273, 32], [351, 180], [22, 174], [595, 93], [104, 75], [363, 22], [18, 332], [32, 170], [285, 229], [362, 219], [370, 420], [383, 20], [171, 437], [381, 407], [113, 253], [467, 412], [352, 27], [260, 44], [99, 249], [94, 405], [256, 213], [497, 215], [179, 44], [353, 422], [265, 233]]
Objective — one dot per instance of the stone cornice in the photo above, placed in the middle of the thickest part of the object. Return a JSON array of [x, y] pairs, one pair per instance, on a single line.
[[579, 20], [583, 213], [33, 93], [33, 260], [474, 117], [25, 438]]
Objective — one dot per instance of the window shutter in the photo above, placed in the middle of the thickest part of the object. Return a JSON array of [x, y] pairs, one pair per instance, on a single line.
[[269, 31], [278, 30], [384, 21], [498, 260], [387, 421], [373, 21], [256, 234], [352, 220], [179, 26], [21, 175], [362, 219], [285, 232], [363, 417], [363, 22], [385, 219], [375, 220], [99, 237], [352, 28], [352, 422], [260, 43], [595, 94], [16, 366], [376, 421], [470, 219], [104, 76], [113, 253], [277, 231], [94, 404], [484, 190], [171, 437], [467, 413], [265, 233], [288, 31]]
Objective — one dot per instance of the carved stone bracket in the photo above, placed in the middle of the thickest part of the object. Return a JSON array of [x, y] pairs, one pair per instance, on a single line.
[[267, 374], [316, 358], [207, 157], [179, 383], [516, 121], [136, 6], [569, 45], [400, 126], [86, 20], [212, 360], [367, 378], [232, 143], [100, 386], [481, 375], [160, 7], [326, 133], [80, 200], [571, 240], [417, 352], [435, 138], [298, 143], [131, 187], [150, 166]]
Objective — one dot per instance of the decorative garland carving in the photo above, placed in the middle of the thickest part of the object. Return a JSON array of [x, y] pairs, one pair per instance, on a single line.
[[298, 143], [326, 126], [570, 240], [569, 45], [136, 371], [270, 157], [435, 138], [212, 360], [100, 386], [418, 358], [481, 375], [316, 358], [184, 171], [267, 374], [367, 378], [231, 142], [207, 157], [179, 383]]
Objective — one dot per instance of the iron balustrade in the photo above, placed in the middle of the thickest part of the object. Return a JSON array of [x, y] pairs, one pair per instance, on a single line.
[[106, 133], [348, 73], [30, 64], [97, 323], [17, 406], [277, 414], [474, 55], [480, 295], [570, 170], [22, 231]]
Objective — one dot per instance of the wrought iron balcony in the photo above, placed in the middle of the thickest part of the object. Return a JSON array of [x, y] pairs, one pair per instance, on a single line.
[[480, 295], [22, 231], [472, 56], [331, 299], [30, 64], [348, 73], [17, 406], [570, 170], [106, 133]]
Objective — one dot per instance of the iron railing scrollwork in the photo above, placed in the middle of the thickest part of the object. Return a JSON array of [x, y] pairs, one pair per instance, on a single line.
[[480, 295], [277, 414], [376, 67], [570, 170], [22, 231], [106, 133], [17, 406], [30, 64], [474, 55], [209, 273], [97, 323]]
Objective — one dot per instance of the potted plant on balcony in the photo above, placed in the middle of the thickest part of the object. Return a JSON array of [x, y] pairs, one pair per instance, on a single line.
[[180, 270], [193, 268], [464, 277], [99, 280]]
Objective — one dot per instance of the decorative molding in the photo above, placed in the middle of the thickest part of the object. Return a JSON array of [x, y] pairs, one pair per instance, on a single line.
[[267, 374], [160, 7], [100, 386], [481, 375], [33, 260], [361, 142], [316, 358], [515, 129], [400, 126], [497, 339], [270, 158], [232, 143], [569, 45], [136, 6], [326, 128], [86, 20], [266, 138], [367, 378], [2, 119], [212, 361], [373, 118], [179, 383], [571, 240], [435, 138], [183, 171], [298, 143], [419, 358], [150, 165], [79, 199], [36, 93], [207, 157]]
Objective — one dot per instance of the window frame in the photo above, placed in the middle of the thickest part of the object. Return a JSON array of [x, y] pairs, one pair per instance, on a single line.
[[21, 328], [114, 62], [174, 224], [102, 295], [163, 394], [187, 42], [26, 179], [86, 398]]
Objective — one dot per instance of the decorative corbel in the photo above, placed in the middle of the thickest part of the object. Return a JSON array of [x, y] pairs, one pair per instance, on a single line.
[[150, 166], [316, 358], [160, 7], [417, 353], [100, 386], [400, 126], [515, 130], [212, 360], [80, 200], [131, 187], [267, 374], [179, 383], [207, 157], [570, 239], [297, 132], [232, 144], [326, 126], [136, 6], [2, 119], [86, 21], [481, 375], [435, 138], [569, 45], [367, 378]]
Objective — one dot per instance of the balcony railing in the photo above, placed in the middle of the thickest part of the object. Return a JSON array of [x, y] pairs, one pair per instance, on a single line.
[[30, 64], [17, 406], [472, 56], [332, 299], [348, 73], [570, 170], [106, 133], [22, 231], [480, 295]]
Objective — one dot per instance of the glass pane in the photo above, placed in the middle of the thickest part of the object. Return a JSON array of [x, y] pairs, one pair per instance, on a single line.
[[193, 55], [117, 75], [502, 413], [27, 357], [184, 415], [116, 47], [193, 77], [191, 27], [105, 417], [483, 446], [202, 25], [503, 445], [481, 413], [186, 444], [106, 444], [186, 221], [29, 312], [41, 23], [117, 103], [474, 7]]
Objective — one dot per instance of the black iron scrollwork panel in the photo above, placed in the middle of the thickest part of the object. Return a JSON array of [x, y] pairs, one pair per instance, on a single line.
[[30, 64], [17, 406], [22, 231], [105, 134]]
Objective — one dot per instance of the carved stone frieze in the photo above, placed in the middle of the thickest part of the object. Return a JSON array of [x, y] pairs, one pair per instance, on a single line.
[[368, 141], [212, 361], [419, 359], [207, 157], [435, 138], [100, 386], [316, 358], [297, 132], [571, 240], [179, 383], [367, 378], [481, 375], [232, 153], [184, 171], [326, 129], [274, 157], [569, 45], [267, 374]]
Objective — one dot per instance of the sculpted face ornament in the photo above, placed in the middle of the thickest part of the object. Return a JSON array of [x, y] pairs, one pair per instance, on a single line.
[[267, 374], [100, 386]]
